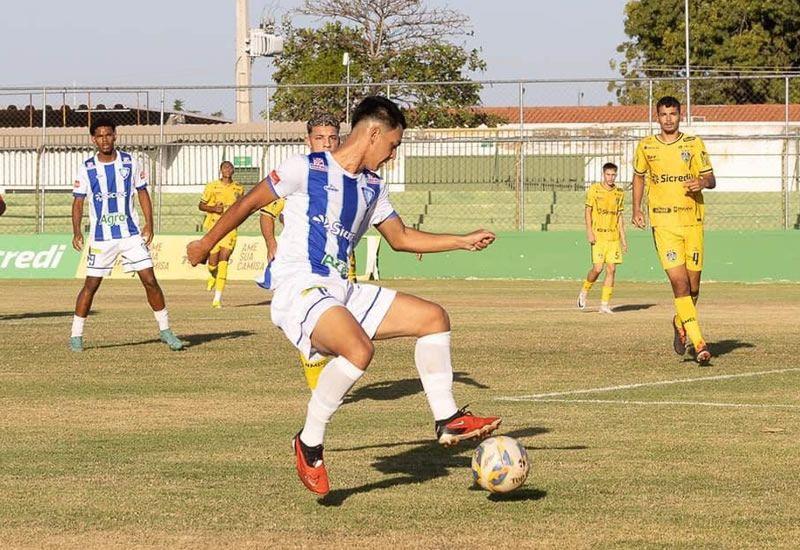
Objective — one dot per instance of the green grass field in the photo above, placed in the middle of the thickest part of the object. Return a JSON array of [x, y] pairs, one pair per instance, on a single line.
[[131, 445]]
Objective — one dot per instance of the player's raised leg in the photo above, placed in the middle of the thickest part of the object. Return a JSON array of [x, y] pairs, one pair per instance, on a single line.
[[412, 316]]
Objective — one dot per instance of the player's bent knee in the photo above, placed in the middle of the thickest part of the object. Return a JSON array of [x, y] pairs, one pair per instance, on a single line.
[[361, 353]]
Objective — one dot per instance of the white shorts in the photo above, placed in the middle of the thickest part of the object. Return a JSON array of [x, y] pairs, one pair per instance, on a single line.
[[297, 306], [102, 255]]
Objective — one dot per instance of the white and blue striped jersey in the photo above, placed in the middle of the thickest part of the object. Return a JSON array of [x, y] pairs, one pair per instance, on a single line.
[[111, 187], [327, 211]]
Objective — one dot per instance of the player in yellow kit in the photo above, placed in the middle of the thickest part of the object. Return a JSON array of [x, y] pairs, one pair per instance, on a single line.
[[606, 234], [323, 135], [218, 196], [678, 169]]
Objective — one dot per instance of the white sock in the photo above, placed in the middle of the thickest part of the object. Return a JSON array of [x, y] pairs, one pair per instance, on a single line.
[[77, 325], [334, 382], [432, 356], [163, 319], [217, 295]]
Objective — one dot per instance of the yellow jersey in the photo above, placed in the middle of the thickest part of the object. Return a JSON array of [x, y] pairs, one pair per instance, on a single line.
[[274, 208], [606, 205], [218, 192], [665, 167]]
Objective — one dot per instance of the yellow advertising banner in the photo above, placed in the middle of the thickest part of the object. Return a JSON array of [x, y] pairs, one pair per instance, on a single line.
[[169, 260]]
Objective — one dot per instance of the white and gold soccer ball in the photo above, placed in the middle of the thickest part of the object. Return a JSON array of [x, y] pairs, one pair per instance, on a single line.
[[500, 464]]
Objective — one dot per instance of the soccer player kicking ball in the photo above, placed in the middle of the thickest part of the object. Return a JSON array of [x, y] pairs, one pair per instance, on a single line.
[[606, 234], [322, 135], [677, 169], [331, 199], [109, 178], [218, 196]]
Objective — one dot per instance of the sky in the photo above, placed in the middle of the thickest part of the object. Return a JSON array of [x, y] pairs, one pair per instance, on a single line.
[[153, 43]]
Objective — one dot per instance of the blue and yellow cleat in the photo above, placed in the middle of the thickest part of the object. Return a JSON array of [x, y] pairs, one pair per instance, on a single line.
[[169, 338], [76, 343]]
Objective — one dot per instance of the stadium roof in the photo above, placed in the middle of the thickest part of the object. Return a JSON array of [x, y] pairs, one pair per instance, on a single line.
[[610, 114]]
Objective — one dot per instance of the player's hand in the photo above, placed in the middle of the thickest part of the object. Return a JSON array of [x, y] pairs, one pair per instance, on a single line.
[[625, 247], [147, 235], [77, 242], [590, 236], [219, 209], [638, 219], [272, 249], [196, 252], [694, 185], [478, 240]]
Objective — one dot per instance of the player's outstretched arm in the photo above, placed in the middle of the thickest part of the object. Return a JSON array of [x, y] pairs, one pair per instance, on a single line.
[[406, 239], [260, 195], [77, 216], [638, 192]]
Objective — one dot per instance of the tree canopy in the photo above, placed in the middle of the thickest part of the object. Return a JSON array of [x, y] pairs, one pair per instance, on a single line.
[[727, 37], [388, 41]]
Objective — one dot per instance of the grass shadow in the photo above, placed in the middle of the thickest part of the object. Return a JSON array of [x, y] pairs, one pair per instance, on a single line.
[[724, 347], [632, 307], [395, 389], [37, 315], [266, 302], [191, 340], [425, 461]]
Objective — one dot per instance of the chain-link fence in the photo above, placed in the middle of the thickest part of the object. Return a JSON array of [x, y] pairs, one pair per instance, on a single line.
[[524, 168]]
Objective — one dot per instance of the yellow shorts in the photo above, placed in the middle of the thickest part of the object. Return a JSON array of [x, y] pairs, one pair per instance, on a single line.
[[228, 241], [606, 252], [680, 245]]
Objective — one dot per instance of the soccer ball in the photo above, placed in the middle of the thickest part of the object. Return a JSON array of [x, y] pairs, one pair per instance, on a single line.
[[500, 464]]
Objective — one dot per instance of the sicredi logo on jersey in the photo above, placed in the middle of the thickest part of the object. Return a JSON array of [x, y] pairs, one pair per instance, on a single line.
[[335, 227]]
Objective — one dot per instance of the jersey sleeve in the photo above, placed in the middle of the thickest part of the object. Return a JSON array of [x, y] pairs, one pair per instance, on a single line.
[[621, 201], [274, 208], [383, 208], [589, 201], [290, 177], [701, 160], [140, 177], [207, 192], [640, 160], [80, 186]]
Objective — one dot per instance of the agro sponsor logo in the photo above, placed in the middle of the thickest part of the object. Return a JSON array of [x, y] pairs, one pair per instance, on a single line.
[[334, 227], [318, 164], [336, 264], [113, 219], [115, 195], [31, 259]]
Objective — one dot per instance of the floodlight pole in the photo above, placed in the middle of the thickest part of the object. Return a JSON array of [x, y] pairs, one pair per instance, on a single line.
[[242, 64], [688, 75], [346, 63]]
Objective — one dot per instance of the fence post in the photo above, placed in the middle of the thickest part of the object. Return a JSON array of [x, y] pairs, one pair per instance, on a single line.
[[650, 105], [161, 170], [521, 225], [786, 147], [39, 202]]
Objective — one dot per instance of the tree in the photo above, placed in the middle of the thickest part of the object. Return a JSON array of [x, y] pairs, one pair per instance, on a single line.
[[727, 37], [395, 41]]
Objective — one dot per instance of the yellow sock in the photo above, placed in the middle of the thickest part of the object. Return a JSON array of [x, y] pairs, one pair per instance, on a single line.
[[688, 316], [587, 286], [605, 297], [222, 276], [312, 370]]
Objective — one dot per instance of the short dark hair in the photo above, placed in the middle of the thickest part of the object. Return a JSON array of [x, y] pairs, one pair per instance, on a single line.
[[102, 122], [322, 118], [609, 166], [224, 162], [668, 101], [379, 108]]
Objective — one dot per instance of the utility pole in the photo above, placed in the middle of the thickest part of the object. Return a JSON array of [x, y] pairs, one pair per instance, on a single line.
[[242, 64]]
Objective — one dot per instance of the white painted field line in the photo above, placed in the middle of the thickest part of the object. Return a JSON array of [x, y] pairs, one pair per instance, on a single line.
[[539, 396], [690, 403]]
